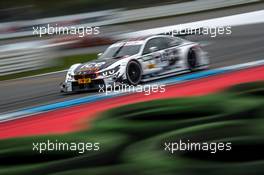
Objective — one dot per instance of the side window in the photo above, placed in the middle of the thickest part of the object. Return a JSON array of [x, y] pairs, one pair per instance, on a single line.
[[161, 43], [174, 42], [151, 43], [167, 41]]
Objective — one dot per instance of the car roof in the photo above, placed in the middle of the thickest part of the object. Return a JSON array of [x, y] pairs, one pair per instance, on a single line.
[[138, 40], [143, 38]]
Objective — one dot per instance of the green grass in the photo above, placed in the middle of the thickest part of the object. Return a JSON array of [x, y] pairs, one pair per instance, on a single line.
[[61, 64]]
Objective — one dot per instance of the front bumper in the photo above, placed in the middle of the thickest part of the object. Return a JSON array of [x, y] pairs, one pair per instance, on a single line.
[[75, 87]]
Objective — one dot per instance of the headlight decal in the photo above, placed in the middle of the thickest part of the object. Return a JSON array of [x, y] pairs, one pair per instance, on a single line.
[[110, 71]]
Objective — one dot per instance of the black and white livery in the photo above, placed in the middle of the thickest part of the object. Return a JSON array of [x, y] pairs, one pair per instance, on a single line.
[[137, 60]]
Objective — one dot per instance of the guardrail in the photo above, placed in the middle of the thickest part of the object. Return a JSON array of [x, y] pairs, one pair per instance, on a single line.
[[21, 60], [248, 18], [177, 9]]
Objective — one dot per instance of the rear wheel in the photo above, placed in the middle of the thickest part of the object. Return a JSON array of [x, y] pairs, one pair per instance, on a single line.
[[133, 72], [192, 59]]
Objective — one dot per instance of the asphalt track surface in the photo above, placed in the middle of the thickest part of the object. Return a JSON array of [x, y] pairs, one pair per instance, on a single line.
[[244, 45], [78, 117]]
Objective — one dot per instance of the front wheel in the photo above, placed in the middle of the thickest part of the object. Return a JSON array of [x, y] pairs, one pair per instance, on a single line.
[[133, 73]]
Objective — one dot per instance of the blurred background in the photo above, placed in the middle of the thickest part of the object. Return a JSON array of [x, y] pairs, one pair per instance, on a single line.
[[132, 136], [23, 53]]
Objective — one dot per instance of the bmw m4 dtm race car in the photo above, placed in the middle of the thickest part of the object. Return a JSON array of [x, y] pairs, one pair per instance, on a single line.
[[136, 60]]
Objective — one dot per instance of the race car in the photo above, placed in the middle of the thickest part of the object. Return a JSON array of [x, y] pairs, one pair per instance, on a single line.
[[134, 61]]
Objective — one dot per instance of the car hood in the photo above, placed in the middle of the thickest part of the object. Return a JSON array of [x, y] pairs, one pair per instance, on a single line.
[[95, 65]]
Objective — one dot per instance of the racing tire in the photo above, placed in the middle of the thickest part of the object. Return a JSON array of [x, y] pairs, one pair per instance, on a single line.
[[133, 73], [192, 60]]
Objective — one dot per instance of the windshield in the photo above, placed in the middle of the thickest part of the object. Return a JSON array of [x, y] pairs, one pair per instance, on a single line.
[[121, 51]]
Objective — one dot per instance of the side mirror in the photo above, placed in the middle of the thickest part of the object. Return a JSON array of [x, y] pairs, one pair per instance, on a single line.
[[99, 54], [153, 49]]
